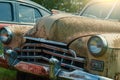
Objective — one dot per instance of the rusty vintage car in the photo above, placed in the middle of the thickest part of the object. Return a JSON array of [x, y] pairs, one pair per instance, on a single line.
[[65, 46]]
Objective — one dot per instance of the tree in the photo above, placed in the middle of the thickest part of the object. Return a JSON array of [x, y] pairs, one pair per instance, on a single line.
[[63, 5]]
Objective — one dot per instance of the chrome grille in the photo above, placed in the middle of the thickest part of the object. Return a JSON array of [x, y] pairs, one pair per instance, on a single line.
[[39, 51]]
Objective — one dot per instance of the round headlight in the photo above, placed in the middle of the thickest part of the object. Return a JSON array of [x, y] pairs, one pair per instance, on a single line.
[[97, 45], [5, 35]]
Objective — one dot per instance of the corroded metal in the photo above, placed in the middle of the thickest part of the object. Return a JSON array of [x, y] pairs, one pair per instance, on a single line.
[[32, 68]]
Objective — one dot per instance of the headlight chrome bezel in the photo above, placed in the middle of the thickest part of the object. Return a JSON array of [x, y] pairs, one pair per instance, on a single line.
[[9, 35], [103, 42]]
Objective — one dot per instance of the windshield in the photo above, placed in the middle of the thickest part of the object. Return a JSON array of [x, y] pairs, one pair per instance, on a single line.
[[115, 15], [98, 10]]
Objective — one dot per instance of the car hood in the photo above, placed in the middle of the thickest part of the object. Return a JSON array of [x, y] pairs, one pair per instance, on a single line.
[[65, 28]]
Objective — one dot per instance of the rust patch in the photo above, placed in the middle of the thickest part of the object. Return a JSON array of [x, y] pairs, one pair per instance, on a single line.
[[31, 68]]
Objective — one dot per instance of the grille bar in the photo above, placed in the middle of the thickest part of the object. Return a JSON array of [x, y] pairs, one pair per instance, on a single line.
[[29, 50], [47, 46], [53, 54], [32, 57], [42, 40], [46, 59], [65, 57]]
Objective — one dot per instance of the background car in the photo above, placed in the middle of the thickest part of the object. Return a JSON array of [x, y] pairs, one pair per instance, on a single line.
[[102, 9], [20, 12]]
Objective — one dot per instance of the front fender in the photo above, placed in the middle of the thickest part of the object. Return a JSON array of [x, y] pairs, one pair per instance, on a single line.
[[112, 39], [113, 55]]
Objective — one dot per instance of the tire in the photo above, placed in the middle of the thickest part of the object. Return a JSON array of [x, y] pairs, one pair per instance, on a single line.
[[26, 76]]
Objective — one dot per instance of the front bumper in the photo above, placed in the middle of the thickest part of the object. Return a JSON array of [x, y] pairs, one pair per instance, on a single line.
[[53, 71], [56, 73]]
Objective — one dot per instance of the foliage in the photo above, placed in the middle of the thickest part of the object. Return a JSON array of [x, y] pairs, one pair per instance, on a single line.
[[73, 6], [7, 74]]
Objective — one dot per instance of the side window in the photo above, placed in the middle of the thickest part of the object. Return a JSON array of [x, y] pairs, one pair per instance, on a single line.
[[28, 14], [44, 13], [37, 14], [6, 13]]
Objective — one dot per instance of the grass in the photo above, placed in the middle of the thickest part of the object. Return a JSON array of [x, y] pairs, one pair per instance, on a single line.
[[7, 74]]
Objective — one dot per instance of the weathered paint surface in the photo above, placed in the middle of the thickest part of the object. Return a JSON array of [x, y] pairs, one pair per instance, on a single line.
[[65, 28]]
